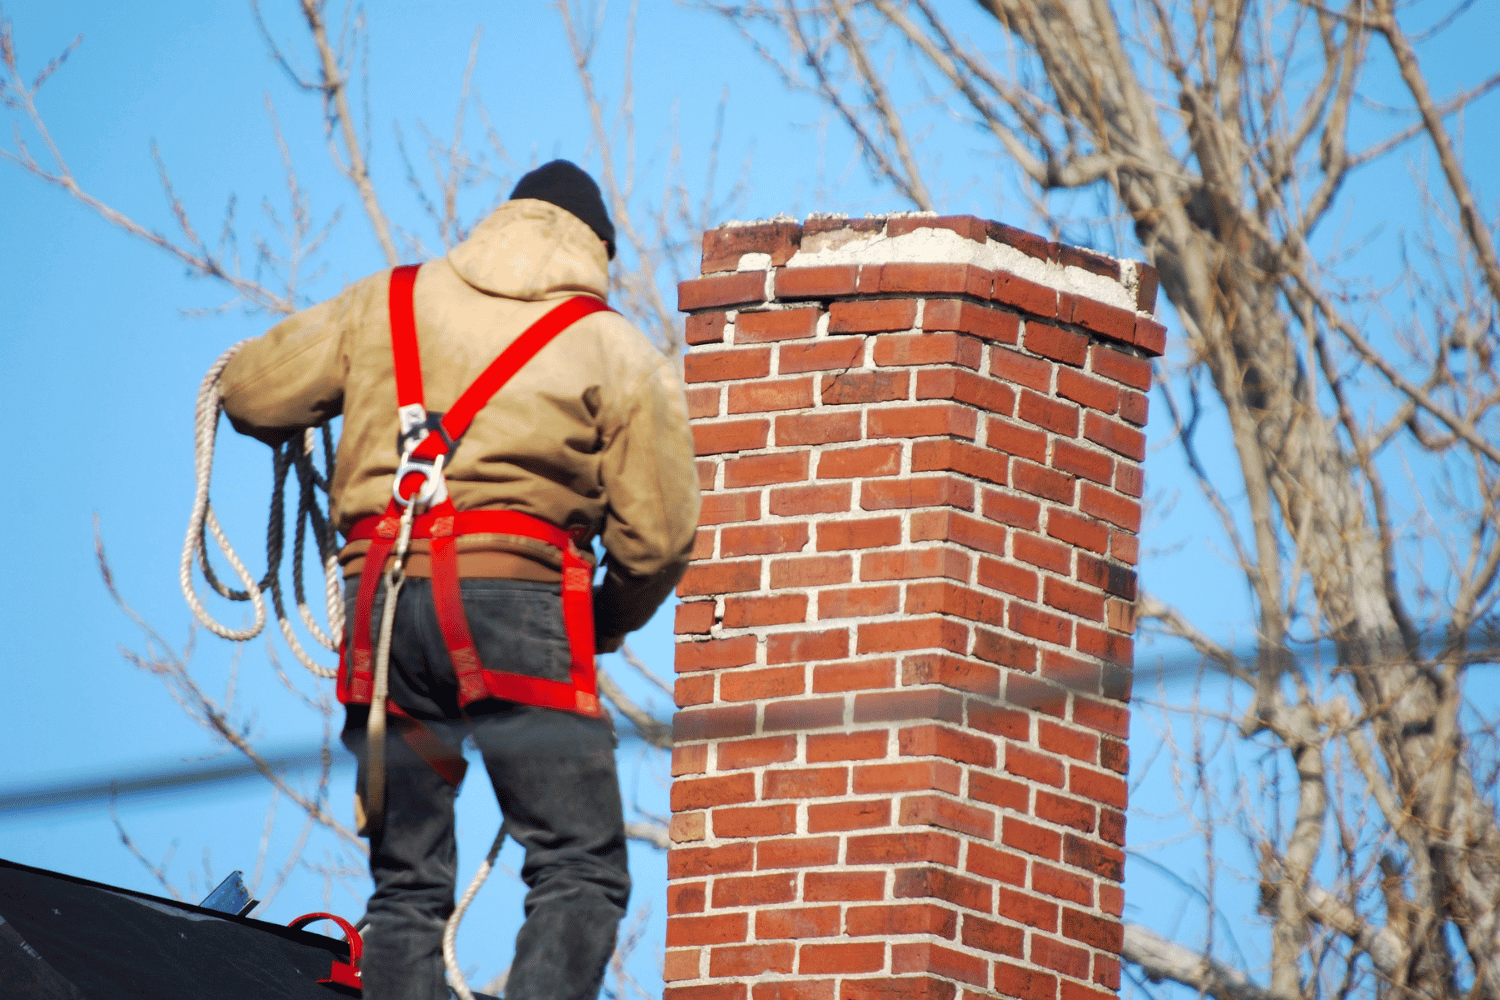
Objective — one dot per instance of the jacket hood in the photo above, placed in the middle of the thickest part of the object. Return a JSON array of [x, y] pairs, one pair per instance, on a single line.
[[529, 249]]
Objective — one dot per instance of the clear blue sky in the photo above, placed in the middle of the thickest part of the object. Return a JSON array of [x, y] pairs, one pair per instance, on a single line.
[[99, 367]]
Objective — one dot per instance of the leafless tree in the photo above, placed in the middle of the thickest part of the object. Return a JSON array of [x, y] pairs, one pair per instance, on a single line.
[[1219, 133]]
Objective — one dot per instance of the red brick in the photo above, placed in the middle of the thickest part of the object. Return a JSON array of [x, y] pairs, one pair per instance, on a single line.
[[694, 618], [821, 355], [781, 324], [1050, 953], [858, 602], [697, 862], [910, 564], [992, 863], [1002, 792], [987, 935], [748, 612], [958, 672], [1150, 336], [703, 401], [1106, 968], [721, 290], [694, 689], [1120, 367], [858, 675], [1110, 321], [754, 890], [916, 883], [1022, 983], [1092, 930], [758, 470], [731, 755], [926, 956], [934, 810], [723, 247], [1041, 552], [967, 226], [1033, 766], [1068, 990], [802, 647], [707, 471], [864, 745], [1089, 260], [918, 491], [907, 350], [1106, 576], [861, 814], [940, 741], [913, 633], [713, 991], [924, 278], [755, 685], [721, 366], [762, 539], [804, 782], [794, 501], [841, 959], [817, 428], [750, 959], [1095, 393], [1115, 755], [718, 928], [703, 544], [685, 897], [1118, 510], [865, 533], [797, 852], [1031, 838], [1011, 723], [898, 988], [713, 723], [965, 387], [1016, 511], [1073, 600], [1061, 884], [1071, 672], [932, 420], [1059, 345], [1097, 786], [901, 918], [704, 793], [1007, 577], [797, 922], [1017, 368], [843, 887], [1130, 479], [770, 395], [864, 387], [953, 599], [1033, 695], [1070, 742], [1077, 531], [1094, 465], [715, 654], [689, 759], [951, 526], [1024, 476], [1134, 408], [810, 571], [803, 713], [970, 317], [861, 463], [815, 282], [1106, 862], [1117, 437], [1147, 282], [908, 776], [724, 508], [1016, 439], [929, 846], [1049, 414], [1124, 546], [705, 328], [871, 317], [1028, 296]]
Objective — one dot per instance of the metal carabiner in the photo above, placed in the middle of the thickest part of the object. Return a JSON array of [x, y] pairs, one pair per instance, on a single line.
[[434, 488]]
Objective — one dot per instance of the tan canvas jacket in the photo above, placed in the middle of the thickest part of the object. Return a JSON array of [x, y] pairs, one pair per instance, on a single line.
[[592, 433]]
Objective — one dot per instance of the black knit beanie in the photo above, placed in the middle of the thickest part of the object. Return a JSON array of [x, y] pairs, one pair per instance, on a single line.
[[567, 186]]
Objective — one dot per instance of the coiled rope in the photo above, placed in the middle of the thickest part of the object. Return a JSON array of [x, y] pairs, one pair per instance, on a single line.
[[295, 454]]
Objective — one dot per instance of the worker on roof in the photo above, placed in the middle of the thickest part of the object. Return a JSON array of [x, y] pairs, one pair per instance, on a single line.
[[589, 438]]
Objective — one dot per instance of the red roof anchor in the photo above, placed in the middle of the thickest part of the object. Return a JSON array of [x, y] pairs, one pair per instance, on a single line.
[[342, 973]]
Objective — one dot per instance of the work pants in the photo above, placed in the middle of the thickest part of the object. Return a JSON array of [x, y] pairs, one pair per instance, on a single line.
[[554, 776]]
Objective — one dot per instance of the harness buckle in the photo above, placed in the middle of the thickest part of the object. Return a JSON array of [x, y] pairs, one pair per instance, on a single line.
[[416, 423], [434, 488]]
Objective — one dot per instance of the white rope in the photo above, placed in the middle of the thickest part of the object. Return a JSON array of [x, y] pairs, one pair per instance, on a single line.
[[203, 523], [450, 929]]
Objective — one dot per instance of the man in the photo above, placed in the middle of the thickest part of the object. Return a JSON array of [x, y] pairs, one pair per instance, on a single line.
[[589, 436]]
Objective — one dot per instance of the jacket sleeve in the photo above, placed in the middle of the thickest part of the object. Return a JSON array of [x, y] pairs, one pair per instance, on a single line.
[[652, 515], [290, 378]]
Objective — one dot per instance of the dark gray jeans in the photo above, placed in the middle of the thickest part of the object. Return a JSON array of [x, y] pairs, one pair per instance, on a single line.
[[553, 774]]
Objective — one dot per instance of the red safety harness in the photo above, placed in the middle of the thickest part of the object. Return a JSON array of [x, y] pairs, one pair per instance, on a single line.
[[419, 476]]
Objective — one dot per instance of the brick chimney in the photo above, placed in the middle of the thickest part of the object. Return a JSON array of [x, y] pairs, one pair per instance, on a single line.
[[904, 648]]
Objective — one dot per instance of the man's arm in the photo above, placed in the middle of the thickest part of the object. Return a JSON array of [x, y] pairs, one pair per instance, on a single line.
[[290, 378], [652, 485]]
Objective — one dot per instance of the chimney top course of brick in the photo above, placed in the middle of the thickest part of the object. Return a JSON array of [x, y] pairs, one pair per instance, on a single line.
[[904, 646]]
